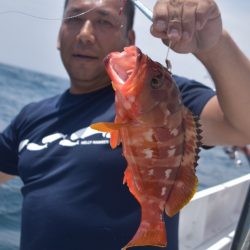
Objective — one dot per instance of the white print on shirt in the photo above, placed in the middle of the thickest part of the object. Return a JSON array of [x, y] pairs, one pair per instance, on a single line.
[[77, 138]]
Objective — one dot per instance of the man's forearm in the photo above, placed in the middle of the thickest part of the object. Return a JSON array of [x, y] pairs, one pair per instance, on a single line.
[[230, 70]]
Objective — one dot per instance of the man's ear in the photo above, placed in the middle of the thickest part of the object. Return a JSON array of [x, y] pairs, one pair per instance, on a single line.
[[131, 37]]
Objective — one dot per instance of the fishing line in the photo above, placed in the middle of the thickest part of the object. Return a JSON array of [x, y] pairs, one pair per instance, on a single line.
[[148, 13], [168, 51], [45, 18], [168, 63], [123, 2]]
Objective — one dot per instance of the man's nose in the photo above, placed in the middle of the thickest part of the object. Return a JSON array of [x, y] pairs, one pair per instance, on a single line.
[[86, 34]]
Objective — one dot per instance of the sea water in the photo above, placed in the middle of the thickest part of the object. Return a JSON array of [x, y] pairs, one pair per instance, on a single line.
[[20, 86]]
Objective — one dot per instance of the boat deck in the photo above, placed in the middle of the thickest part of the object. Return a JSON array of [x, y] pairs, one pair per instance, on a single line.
[[209, 221]]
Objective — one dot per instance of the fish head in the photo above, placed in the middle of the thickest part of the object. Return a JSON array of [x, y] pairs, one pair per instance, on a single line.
[[143, 86]]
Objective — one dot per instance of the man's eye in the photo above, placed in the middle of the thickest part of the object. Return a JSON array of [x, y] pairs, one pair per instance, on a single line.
[[104, 22], [72, 19]]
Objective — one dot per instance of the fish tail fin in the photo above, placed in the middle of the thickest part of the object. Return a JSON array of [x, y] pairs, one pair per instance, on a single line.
[[186, 181], [152, 230], [148, 235]]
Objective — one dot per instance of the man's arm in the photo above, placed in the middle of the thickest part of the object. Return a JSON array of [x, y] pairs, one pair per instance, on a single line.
[[225, 119], [194, 26], [5, 177]]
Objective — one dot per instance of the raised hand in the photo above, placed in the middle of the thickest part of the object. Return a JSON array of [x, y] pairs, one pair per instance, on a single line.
[[190, 25]]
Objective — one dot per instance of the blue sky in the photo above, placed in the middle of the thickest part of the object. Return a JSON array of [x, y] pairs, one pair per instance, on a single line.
[[31, 43]]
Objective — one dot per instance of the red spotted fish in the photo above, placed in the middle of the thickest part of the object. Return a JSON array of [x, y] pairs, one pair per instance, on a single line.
[[160, 140]]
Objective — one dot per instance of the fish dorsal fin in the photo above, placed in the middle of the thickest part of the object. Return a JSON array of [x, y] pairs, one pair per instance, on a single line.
[[112, 128], [186, 181]]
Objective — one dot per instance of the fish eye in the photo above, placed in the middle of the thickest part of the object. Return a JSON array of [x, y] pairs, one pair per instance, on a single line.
[[156, 82]]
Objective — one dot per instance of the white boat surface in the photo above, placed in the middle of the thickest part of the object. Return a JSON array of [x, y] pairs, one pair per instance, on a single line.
[[209, 221]]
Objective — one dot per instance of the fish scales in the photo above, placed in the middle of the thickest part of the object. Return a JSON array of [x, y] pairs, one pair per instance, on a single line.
[[160, 140]]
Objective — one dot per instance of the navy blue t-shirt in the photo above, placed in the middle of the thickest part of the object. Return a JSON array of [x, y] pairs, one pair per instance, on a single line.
[[73, 196]]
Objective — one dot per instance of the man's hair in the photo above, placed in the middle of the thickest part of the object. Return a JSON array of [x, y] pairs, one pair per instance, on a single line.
[[129, 11]]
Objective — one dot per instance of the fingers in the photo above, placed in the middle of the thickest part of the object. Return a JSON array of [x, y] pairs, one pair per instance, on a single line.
[[206, 11], [174, 30], [176, 20], [160, 20], [168, 20], [188, 20]]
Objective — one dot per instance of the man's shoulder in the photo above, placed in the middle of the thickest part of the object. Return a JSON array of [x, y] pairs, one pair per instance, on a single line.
[[194, 94], [186, 84], [45, 103], [38, 108]]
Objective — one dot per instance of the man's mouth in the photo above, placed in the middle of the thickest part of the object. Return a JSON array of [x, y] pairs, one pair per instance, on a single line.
[[85, 57]]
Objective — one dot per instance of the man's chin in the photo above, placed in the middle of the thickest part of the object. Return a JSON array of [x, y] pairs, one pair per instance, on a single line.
[[80, 87], [86, 72], [88, 77]]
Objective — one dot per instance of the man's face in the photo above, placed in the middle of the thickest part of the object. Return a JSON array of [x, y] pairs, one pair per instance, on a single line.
[[84, 41]]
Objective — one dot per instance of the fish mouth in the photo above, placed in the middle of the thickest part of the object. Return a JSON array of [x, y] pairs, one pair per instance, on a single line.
[[122, 66]]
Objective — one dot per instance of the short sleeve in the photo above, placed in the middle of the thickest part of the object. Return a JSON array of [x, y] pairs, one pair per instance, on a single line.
[[8, 150], [9, 143], [194, 94]]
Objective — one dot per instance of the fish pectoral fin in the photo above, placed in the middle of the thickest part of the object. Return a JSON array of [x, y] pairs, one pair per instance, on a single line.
[[115, 139], [112, 128], [106, 126]]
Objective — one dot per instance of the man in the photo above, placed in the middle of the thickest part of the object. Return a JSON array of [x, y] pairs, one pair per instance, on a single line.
[[73, 192]]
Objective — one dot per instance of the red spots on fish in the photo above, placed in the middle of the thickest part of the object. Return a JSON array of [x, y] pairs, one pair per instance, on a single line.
[[160, 141]]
